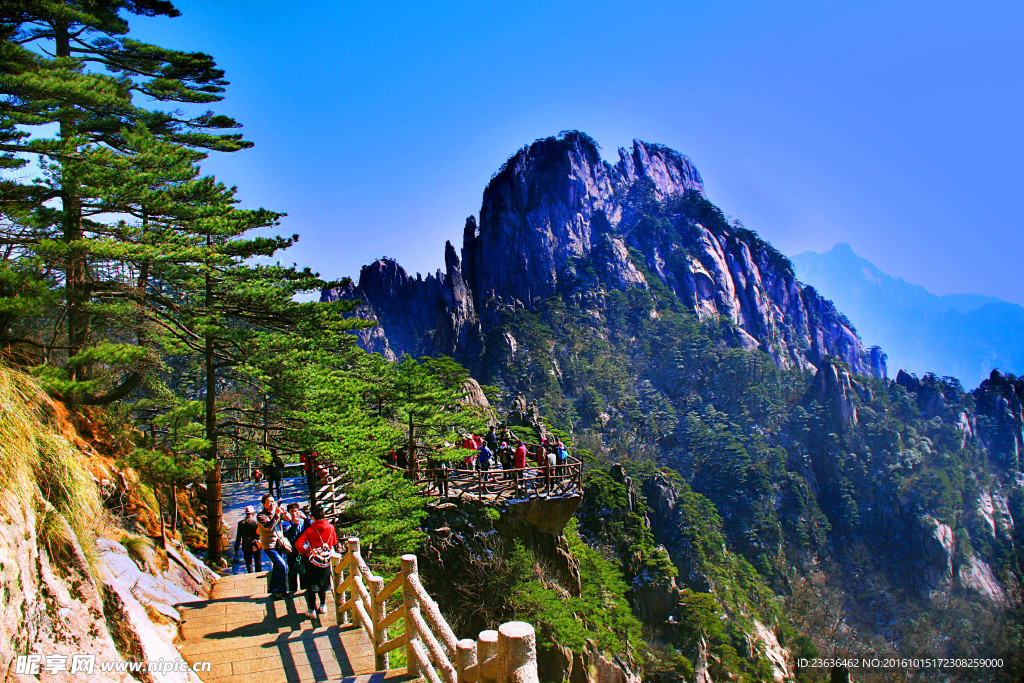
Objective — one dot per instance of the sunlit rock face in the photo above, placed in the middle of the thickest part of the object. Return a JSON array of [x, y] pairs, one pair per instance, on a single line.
[[557, 220]]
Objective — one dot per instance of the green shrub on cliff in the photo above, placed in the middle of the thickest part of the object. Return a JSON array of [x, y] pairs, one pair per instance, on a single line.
[[601, 612]]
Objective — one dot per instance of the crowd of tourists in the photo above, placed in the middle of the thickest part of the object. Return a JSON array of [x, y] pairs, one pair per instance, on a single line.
[[299, 543], [498, 454]]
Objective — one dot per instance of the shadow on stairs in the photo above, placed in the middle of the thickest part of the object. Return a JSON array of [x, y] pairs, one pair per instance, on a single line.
[[247, 636]]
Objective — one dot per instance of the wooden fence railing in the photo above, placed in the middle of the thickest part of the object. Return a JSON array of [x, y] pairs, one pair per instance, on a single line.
[[432, 651], [496, 484], [237, 468]]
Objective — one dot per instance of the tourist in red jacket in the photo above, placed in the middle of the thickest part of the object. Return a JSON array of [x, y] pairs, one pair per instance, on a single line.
[[319, 533], [519, 461]]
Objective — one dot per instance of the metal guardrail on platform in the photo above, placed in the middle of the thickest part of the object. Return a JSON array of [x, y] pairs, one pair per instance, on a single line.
[[432, 650]]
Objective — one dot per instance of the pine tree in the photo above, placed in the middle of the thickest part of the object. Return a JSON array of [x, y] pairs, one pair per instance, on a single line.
[[71, 82], [428, 397]]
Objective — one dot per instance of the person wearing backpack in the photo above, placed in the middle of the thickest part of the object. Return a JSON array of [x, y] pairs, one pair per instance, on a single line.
[[316, 544], [561, 457], [505, 455]]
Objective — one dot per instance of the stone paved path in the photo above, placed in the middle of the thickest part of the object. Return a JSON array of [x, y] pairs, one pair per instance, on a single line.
[[249, 637]]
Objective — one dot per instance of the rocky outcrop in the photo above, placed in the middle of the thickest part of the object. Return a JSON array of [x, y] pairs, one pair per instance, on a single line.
[[119, 608], [1000, 399], [474, 395], [977, 575], [558, 664], [526, 414], [140, 599], [538, 523], [48, 609], [372, 338], [768, 644], [557, 219], [835, 388], [937, 549], [669, 526]]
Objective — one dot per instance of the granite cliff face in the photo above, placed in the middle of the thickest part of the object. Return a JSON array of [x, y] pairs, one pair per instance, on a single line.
[[556, 217]]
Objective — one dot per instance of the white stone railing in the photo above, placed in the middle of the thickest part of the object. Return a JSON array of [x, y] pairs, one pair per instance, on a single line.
[[508, 655]]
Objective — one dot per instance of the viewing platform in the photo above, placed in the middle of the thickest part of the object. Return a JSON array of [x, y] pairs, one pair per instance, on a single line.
[[494, 486]]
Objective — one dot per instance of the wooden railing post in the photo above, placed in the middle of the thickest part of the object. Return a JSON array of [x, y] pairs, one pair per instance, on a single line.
[[409, 569], [466, 662], [487, 649], [508, 655], [517, 653]]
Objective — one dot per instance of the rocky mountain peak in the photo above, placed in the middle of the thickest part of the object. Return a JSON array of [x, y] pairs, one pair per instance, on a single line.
[[548, 202], [557, 220], [670, 172]]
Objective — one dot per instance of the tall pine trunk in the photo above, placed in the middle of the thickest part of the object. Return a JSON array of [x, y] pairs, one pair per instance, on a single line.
[[74, 262], [214, 513], [174, 506], [160, 509]]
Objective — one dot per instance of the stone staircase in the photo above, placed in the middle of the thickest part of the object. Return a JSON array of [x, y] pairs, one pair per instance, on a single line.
[[249, 637]]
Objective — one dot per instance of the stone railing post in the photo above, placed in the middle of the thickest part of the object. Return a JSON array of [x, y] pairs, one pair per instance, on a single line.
[[336, 579], [378, 610], [409, 570], [487, 647], [353, 572], [465, 661], [517, 653]]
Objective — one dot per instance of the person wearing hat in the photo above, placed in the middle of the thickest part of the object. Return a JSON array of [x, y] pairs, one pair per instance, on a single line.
[[246, 537]]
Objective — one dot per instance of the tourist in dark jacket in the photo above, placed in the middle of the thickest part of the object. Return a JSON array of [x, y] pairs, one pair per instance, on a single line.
[[492, 440], [483, 458], [318, 579], [295, 522], [247, 538], [275, 473]]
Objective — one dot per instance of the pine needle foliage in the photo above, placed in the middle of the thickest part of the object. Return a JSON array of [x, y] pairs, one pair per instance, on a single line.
[[93, 171]]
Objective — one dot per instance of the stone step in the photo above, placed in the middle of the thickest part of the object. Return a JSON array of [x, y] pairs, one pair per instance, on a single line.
[[248, 636]]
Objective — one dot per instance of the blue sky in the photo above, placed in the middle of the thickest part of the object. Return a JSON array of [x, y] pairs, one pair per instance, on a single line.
[[893, 126]]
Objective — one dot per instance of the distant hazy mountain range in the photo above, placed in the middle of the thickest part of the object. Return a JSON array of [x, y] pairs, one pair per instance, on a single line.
[[958, 335]]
